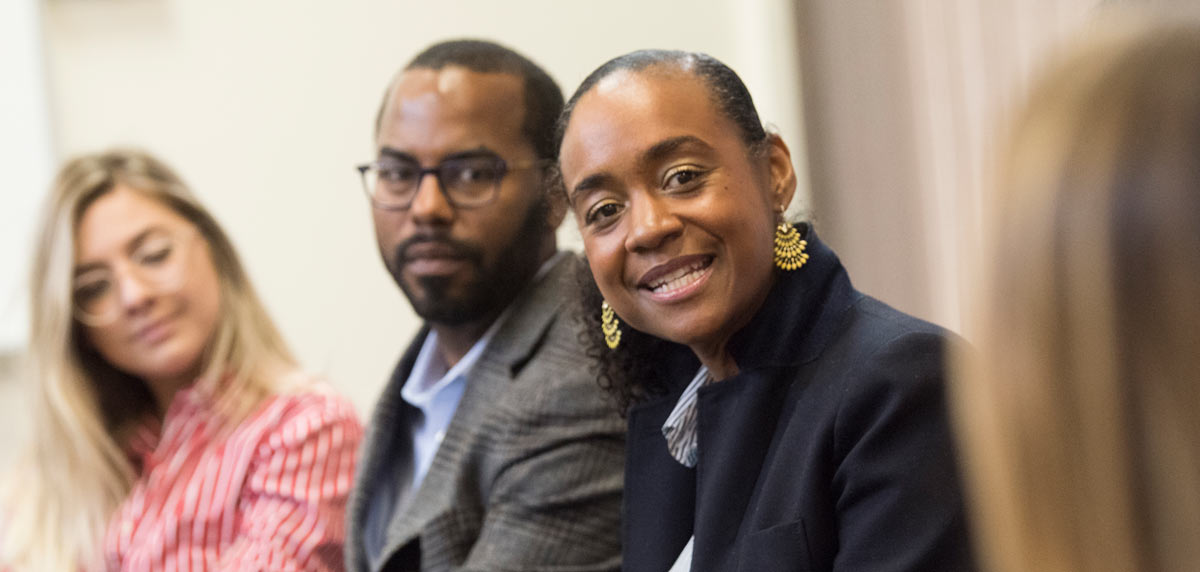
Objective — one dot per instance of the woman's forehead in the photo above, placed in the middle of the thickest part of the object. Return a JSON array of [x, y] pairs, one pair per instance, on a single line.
[[629, 112], [117, 218]]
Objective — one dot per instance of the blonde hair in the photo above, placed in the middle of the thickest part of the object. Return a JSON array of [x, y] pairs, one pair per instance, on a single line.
[[77, 471], [1079, 409]]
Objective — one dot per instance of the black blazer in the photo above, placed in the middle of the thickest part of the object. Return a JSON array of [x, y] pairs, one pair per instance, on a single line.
[[830, 449]]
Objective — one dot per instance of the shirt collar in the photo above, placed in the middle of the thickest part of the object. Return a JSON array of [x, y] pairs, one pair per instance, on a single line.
[[430, 373], [681, 428]]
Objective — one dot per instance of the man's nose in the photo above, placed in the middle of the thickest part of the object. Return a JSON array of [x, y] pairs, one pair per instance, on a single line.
[[430, 205]]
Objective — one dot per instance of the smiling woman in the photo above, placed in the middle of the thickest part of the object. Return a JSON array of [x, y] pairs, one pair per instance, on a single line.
[[156, 371], [782, 420]]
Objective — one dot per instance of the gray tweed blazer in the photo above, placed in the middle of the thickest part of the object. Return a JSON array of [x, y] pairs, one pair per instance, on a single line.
[[529, 474]]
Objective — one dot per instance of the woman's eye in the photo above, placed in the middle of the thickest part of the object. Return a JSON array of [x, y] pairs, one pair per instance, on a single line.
[[154, 256], [682, 177], [603, 212], [90, 291]]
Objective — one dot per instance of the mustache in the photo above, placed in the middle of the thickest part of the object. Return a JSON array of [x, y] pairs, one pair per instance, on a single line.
[[446, 246]]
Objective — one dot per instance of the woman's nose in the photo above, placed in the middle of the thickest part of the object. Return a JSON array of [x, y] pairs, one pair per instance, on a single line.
[[133, 292], [652, 222]]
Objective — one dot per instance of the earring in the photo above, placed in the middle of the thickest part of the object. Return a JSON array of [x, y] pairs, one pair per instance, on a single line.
[[608, 325], [789, 247]]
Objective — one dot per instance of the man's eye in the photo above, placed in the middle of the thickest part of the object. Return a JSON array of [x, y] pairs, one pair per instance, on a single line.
[[397, 173], [472, 173]]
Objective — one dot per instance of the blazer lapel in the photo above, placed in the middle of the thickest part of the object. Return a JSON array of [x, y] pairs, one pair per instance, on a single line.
[[660, 493], [385, 451], [737, 422]]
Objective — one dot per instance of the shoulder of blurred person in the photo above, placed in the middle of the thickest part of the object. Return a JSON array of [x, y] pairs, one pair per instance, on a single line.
[[1078, 410]]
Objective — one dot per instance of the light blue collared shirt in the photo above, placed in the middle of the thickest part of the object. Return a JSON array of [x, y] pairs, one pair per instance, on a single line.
[[436, 390]]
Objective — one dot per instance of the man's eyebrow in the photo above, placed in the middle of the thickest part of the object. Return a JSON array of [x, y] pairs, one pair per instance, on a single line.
[[396, 154], [481, 151]]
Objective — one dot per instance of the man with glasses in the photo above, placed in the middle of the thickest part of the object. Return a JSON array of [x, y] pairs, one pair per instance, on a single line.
[[492, 446]]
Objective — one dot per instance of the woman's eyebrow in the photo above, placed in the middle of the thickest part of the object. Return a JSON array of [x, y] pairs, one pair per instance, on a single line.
[[666, 147], [588, 184]]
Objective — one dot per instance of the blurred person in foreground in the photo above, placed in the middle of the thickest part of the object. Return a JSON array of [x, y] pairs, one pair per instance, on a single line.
[[782, 419], [1080, 411], [173, 429], [492, 447]]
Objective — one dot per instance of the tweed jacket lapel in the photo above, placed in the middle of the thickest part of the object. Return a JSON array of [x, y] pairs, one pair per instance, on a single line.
[[385, 450], [441, 498]]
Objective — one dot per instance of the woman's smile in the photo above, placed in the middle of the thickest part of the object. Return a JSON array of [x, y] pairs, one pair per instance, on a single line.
[[676, 279]]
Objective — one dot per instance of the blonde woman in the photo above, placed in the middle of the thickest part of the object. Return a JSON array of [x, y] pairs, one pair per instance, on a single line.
[[1081, 411], [172, 428]]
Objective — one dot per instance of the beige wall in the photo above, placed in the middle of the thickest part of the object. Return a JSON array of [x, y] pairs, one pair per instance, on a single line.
[[266, 106]]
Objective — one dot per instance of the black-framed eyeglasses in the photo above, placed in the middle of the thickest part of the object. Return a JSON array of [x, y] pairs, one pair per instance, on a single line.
[[466, 182]]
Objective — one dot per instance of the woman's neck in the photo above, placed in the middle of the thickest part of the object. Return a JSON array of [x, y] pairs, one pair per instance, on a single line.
[[714, 354], [719, 362], [164, 391]]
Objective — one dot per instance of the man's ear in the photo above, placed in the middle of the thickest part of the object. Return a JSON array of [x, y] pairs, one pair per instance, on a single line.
[[782, 172]]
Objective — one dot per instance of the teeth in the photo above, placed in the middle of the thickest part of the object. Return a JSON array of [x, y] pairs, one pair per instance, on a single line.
[[678, 280]]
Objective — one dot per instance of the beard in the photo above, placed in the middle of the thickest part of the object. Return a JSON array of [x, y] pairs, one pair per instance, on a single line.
[[488, 289]]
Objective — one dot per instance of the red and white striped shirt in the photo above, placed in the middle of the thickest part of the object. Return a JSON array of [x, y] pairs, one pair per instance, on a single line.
[[268, 495]]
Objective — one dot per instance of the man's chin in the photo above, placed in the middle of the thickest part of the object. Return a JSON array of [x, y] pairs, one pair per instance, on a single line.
[[438, 300], [447, 312]]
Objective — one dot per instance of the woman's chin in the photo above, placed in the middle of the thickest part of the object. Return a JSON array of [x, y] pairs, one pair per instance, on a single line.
[[683, 331], [179, 368]]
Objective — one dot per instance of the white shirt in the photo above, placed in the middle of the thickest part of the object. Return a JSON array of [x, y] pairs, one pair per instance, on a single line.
[[436, 389], [684, 562]]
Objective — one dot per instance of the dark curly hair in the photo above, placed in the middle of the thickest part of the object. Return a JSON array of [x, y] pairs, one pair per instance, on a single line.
[[642, 366]]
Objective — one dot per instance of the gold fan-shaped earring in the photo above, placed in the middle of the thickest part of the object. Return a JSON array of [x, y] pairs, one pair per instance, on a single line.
[[609, 325], [789, 247]]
